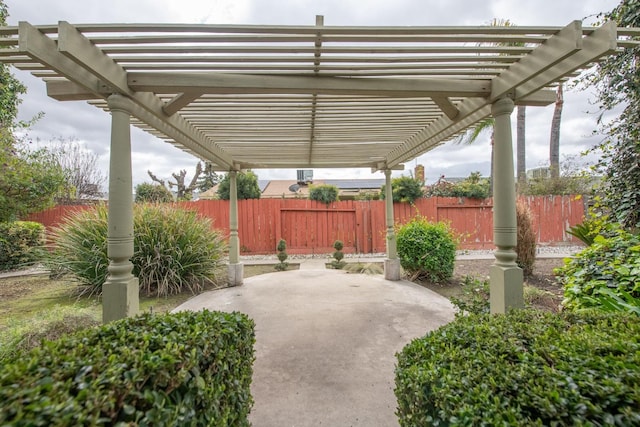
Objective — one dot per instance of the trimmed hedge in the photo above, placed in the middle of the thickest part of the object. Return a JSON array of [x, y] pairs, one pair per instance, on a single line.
[[21, 244], [161, 370], [524, 368]]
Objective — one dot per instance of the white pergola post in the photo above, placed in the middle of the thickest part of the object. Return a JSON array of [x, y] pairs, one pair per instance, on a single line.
[[120, 291], [506, 288], [236, 268], [392, 263]]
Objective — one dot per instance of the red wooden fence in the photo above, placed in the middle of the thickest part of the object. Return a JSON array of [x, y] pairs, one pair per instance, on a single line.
[[312, 227]]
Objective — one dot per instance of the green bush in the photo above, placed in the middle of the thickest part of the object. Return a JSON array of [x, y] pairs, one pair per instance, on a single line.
[[524, 368], [161, 370], [605, 275], [246, 184], [175, 250], [324, 193], [426, 250], [404, 189], [473, 187], [21, 244], [152, 193]]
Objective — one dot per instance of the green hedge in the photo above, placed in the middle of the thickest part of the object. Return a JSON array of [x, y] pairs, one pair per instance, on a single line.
[[524, 368], [161, 370], [21, 244]]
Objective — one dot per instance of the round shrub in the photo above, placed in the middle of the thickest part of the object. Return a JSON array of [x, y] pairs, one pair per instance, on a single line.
[[526, 247], [426, 250], [175, 250], [325, 193], [404, 189], [152, 193], [525, 368], [604, 275], [21, 244]]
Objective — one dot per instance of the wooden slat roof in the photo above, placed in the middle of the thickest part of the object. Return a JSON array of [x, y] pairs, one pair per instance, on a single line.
[[315, 96]]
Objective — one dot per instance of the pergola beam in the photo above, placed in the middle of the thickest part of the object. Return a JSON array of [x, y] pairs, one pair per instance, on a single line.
[[221, 83]]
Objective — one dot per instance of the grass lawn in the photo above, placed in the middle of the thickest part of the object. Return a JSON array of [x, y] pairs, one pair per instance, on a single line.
[[31, 303]]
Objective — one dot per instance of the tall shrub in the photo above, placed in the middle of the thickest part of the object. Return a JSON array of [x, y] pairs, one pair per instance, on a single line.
[[152, 193], [404, 189], [175, 250], [426, 250], [526, 247]]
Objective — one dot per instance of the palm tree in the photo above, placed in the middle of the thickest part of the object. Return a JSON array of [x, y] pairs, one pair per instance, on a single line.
[[554, 141], [473, 133]]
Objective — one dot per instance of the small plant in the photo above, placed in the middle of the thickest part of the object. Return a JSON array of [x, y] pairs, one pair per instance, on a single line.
[[474, 298], [282, 256], [324, 193], [526, 247], [338, 255], [427, 250]]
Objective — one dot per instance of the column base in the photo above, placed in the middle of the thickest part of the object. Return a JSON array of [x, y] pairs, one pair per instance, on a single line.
[[120, 299], [506, 289], [392, 269], [236, 274]]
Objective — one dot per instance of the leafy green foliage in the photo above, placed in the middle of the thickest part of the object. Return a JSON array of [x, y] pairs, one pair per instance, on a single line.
[[162, 370], [175, 250], [325, 193], [426, 250], [616, 80], [474, 298], [247, 184], [21, 244], [526, 246], [338, 255], [152, 193], [524, 368], [473, 187], [282, 255], [404, 189], [29, 180], [605, 275]]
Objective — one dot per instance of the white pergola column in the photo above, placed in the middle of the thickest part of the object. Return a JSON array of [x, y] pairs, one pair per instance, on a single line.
[[506, 288], [392, 263], [236, 268], [120, 291]]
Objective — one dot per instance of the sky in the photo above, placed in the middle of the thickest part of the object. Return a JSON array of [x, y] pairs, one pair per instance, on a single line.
[[89, 126]]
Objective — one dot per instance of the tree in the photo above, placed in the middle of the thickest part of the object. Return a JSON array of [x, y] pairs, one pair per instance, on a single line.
[[616, 80], [82, 177], [488, 124], [183, 191], [247, 184], [554, 140], [208, 179], [28, 179], [152, 193], [404, 189]]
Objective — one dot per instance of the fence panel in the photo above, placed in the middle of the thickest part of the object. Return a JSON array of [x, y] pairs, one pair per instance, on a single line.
[[312, 227]]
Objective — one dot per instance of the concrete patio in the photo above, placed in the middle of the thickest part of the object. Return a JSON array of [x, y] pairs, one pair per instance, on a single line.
[[326, 342]]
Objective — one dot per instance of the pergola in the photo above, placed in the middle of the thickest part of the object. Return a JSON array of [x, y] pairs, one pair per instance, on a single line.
[[316, 96]]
